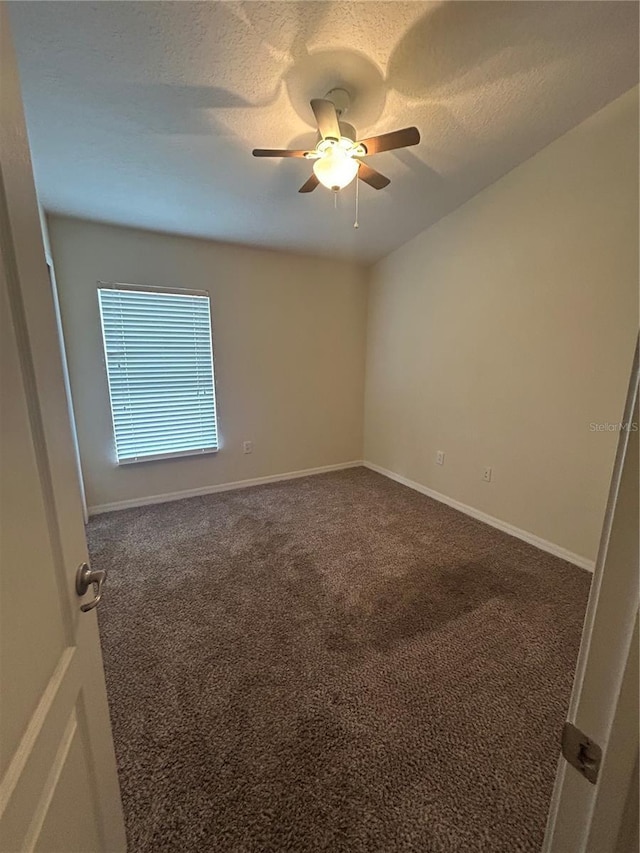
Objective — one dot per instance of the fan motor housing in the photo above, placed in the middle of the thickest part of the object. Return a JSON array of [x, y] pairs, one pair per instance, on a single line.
[[347, 130]]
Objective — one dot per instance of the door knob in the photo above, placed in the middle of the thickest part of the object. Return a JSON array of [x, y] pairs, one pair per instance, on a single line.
[[85, 577]]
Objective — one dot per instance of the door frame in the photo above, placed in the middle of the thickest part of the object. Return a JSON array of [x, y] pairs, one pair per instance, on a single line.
[[606, 668]]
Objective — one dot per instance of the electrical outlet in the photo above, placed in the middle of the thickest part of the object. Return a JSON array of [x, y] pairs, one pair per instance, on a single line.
[[440, 457], [247, 447], [486, 475]]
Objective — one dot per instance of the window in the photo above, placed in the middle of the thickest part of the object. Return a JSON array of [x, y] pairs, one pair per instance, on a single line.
[[159, 360]]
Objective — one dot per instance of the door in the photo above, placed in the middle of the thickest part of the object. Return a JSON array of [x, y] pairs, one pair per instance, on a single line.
[[58, 782], [602, 817]]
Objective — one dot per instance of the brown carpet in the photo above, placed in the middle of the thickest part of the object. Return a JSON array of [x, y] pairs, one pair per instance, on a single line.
[[335, 663]]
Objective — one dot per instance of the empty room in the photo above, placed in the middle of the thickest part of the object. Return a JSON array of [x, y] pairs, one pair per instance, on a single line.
[[319, 427]]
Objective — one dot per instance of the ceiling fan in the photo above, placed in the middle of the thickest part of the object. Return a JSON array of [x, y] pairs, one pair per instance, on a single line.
[[338, 152]]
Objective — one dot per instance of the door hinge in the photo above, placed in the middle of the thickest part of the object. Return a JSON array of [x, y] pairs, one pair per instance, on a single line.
[[581, 752]]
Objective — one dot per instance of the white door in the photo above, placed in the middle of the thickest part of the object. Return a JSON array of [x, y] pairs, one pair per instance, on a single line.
[[58, 782], [602, 817]]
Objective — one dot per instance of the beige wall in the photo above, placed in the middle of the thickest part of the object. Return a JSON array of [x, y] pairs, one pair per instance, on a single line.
[[289, 340], [501, 333]]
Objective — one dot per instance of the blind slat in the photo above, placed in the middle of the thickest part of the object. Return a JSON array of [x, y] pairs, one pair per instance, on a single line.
[[160, 371], [168, 425]]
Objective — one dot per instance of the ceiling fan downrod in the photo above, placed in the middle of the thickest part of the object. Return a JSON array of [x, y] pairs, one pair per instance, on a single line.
[[340, 99]]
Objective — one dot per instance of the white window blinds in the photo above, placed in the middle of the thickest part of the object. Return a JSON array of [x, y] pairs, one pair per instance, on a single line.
[[160, 369]]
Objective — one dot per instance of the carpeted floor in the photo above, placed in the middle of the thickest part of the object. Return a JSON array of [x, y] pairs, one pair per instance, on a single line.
[[335, 663]]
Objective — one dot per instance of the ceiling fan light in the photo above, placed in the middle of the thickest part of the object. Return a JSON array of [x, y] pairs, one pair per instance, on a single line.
[[335, 169]]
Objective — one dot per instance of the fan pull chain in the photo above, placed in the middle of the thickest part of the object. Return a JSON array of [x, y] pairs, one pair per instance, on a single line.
[[356, 224], [335, 199]]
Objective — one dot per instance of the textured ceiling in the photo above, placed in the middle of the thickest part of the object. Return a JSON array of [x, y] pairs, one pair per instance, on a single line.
[[145, 114]]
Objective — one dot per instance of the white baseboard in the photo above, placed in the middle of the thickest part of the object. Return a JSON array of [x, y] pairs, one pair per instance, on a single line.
[[221, 487], [531, 538]]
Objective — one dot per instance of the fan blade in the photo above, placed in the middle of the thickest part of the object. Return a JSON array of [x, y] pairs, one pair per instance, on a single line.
[[388, 141], [277, 152], [371, 177], [310, 185], [326, 117]]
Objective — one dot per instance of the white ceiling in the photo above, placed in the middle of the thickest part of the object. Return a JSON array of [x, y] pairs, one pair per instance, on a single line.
[[145, 114]]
